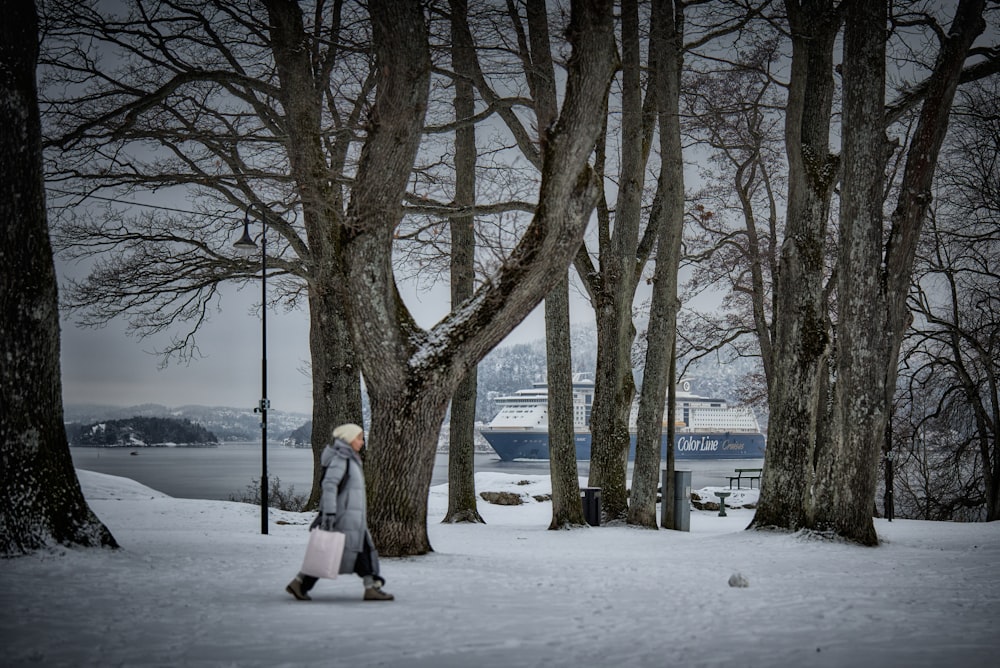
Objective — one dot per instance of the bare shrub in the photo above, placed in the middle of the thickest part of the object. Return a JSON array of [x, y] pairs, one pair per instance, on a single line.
[[277, 496]]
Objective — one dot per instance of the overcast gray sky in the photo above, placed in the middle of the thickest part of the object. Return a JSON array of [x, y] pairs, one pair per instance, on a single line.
[[106, 366]]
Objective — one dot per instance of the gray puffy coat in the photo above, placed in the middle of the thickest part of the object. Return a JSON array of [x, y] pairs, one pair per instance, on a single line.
[[349, 504]]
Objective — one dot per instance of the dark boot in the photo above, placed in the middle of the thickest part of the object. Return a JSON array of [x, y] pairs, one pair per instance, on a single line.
[[296, 589]]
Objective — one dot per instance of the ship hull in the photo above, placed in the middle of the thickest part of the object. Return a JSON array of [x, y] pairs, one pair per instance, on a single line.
[[514, 444]]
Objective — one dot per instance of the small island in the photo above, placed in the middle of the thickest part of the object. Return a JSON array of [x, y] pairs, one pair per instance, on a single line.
[[140, 432]]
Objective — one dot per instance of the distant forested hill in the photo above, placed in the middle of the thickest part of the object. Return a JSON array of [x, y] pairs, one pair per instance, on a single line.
[[136, 431], [229, 424], [301, 437], [510, 368], [515, 367]]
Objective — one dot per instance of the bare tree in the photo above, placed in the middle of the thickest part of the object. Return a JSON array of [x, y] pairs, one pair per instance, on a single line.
[[41, 503], [207, 114], [612, 283], [936, 468], [825, 478], [729, 260], [731, 242], [294, 89], [846, 469], [412, 373], [951, 351], [669, 42], [529, 34], [667, 218], [461, 447], [566, 508], [801, 333], [567, 511]]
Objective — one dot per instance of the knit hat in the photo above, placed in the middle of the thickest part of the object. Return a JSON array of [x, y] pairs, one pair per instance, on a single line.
[[347, 432]]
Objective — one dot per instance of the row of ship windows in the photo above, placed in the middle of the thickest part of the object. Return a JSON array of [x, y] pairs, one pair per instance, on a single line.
[[703, 416]]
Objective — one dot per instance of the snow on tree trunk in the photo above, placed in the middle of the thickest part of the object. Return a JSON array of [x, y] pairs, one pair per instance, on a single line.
[[40, 499], [411, 373]]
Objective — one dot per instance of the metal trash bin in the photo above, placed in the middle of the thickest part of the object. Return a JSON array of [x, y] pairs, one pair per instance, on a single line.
[[591, 499], [681, 491]]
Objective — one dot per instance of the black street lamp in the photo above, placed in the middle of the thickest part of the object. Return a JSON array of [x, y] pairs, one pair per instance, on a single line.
[[247, 246]]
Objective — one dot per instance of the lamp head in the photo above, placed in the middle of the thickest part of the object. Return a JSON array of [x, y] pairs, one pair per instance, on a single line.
[[246, 245]]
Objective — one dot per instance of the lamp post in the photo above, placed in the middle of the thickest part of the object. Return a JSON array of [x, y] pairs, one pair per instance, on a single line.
[[247, 246]]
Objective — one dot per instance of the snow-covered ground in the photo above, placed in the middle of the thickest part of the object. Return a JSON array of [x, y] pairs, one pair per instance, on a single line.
[[197, 585]]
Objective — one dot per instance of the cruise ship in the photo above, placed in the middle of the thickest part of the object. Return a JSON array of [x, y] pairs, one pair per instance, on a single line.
[[705, 428]]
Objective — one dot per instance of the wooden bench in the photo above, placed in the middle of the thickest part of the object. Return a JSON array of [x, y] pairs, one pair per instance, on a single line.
[[749, 474]]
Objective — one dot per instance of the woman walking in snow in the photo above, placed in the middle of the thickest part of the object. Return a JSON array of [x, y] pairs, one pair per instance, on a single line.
[[343, 507]]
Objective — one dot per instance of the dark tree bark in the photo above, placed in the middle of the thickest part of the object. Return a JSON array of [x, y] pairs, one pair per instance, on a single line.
[[802, 338], [461, 448], [411, 374], [846, 470], [40, 499], [821, 465]]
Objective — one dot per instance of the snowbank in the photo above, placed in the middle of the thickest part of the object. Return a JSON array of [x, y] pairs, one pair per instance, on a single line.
[[197, 585]]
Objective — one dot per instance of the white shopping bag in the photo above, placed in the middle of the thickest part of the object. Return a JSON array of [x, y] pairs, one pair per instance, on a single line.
[[323, 554]]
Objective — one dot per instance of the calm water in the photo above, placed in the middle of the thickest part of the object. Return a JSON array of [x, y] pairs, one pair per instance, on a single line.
[[217, 473]]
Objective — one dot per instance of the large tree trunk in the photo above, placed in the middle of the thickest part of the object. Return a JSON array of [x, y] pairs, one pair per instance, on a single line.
[[410, 373], [846, 471], [668, 219], [614, 387], [336, 374], [41, 503], [399, 461], [839, 493], [461, 447], [335, 370], [801, 333]]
